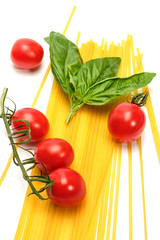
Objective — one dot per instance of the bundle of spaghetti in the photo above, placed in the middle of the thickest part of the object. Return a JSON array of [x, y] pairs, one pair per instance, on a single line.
[[76, 231], [86, 135]]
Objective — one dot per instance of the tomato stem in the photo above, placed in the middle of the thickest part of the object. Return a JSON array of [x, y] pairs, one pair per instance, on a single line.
[[139, 99], [16, 157]]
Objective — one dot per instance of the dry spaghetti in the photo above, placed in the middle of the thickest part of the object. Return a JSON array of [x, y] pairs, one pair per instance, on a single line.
[[98, 159]]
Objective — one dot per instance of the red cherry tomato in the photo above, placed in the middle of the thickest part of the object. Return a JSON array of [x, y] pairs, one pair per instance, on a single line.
[[39, 124], [69, 188], [26, 53], [126, 122], [53, 153]]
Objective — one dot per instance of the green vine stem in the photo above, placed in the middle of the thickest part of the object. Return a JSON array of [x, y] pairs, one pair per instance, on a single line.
[[16, 158]]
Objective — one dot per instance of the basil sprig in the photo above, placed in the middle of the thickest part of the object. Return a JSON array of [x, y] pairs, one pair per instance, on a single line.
[[94, 82]]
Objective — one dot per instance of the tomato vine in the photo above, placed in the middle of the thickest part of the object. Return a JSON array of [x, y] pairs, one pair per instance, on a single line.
[[7, 119]]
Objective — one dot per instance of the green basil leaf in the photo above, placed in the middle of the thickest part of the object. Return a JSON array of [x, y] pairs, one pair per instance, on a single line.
[[110, 89], [94, 82], [65, 60], [93, 72]]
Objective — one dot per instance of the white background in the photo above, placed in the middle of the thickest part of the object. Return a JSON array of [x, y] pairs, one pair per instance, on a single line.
[[112, 20]]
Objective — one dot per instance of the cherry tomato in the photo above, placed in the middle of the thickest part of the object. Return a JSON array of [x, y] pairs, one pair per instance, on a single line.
[[53, 153], [26, 53], [126, 122], [39, 125], [69, 188]]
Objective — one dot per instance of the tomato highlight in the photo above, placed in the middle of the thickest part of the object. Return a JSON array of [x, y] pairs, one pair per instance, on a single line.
[[126, 122]]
